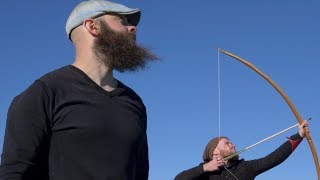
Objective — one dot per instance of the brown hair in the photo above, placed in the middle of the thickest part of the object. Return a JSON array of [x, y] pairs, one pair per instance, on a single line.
[[208, 151]]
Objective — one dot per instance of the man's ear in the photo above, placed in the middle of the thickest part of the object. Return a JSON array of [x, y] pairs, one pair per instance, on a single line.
[[92, 27]]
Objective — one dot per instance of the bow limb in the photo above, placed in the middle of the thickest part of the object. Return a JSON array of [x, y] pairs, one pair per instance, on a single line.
[[288, 101]]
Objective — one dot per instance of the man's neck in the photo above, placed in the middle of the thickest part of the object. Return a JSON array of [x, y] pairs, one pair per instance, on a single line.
[[98, 72]]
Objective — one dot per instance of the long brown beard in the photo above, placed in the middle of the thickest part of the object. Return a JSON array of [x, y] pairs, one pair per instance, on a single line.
[[120, 51]]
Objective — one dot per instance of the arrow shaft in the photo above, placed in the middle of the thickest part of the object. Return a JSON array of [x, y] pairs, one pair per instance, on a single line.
[[263, 140]]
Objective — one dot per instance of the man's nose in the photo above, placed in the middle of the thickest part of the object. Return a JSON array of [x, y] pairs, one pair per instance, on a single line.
[[132, 28]]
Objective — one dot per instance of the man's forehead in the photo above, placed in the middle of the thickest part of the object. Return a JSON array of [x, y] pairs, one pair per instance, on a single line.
[[224, 140]]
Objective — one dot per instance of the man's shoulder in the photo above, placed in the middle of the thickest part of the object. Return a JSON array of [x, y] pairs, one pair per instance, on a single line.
[[56, 79], [128, 90], [56, 74]]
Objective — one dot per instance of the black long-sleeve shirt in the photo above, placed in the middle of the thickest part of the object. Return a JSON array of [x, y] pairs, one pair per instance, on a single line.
[[66, 127], [244, 170]]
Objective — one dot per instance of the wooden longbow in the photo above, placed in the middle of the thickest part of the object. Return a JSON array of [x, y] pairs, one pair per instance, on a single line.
[[288, 101]]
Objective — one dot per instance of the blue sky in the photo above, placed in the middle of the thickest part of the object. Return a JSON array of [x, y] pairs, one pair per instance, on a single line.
[[281, 38]]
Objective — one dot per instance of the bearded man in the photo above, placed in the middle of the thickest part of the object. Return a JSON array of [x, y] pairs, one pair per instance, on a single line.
[[79, 122]]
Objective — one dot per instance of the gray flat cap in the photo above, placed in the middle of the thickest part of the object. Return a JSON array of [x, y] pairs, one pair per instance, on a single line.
[[95, 8]]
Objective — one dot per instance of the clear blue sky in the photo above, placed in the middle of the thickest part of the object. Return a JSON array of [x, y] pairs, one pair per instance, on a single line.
[[181, 91]]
